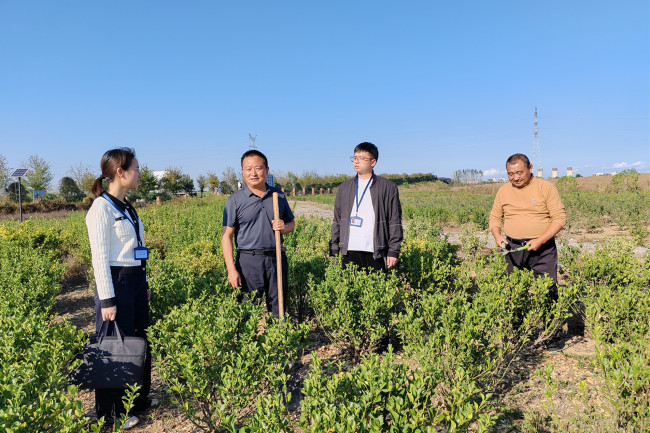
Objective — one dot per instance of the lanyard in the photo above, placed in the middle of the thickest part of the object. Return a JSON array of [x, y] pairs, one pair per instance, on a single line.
[[356, 194], [135, 226]]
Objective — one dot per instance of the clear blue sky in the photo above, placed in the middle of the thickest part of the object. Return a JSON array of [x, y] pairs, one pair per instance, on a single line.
[[438, 86]]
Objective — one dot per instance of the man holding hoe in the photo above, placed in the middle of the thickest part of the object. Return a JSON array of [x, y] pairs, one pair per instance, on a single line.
[[248, 216]]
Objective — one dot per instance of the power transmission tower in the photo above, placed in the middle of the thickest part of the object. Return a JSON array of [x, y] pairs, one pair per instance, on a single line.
[[252, 139], [537, 152]]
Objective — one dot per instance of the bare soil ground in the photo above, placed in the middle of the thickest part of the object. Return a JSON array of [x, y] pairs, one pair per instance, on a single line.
[[590, 183]]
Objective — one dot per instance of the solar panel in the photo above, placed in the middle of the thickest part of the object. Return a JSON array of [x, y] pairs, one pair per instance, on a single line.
[[19, 172]]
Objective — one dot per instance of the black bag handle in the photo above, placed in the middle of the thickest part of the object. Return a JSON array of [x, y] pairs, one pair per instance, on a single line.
[[103, 330]]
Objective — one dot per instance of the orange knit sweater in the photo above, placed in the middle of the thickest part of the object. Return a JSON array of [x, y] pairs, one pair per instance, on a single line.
[[527, 212]]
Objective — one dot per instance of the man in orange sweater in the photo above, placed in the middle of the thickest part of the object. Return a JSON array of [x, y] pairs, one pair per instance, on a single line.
[[532, 214]]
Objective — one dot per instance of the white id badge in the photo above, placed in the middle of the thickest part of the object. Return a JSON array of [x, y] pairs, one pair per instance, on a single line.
[[141, 253], [356, 221]]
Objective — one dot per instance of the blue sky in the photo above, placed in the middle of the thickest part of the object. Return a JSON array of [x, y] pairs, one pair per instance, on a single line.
[[438, 86]]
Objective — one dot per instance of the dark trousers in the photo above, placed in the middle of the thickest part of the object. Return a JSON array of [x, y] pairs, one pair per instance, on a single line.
[[363, 260], [132, 317], [259, 279], [541, 262]]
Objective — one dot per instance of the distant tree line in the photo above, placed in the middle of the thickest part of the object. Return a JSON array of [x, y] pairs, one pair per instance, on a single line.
[[76, 185], [311, 179], [467, 176]]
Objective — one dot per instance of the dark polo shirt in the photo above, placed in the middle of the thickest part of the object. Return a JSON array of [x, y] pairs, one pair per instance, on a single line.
[[251, 217]]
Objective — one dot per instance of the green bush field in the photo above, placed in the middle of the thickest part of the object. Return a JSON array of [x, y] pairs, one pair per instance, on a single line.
[[429, 347]]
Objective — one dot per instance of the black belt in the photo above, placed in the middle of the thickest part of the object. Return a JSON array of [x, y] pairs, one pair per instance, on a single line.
[[517, 241], [267, 252]]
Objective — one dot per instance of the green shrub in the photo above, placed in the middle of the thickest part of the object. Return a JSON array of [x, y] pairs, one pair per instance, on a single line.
[[29, 280], [567, 184], [216, 358], [379, 395], [307, 250], [302, 268], [190, 273], [626, 180], [427, 261], [466, 340], [470, 242], [613, 287], [354, 307], [36, 358]]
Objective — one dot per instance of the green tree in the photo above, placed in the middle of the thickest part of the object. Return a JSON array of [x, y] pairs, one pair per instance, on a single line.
[[201, 181], [39, 177], [186, 184], [78, 172], [293, 181], [69, 190], [83, 177], [228, 181], [24, 191], [87, 183], [4, 172], [213, 181], [310, 179], [467, 175], [170, 182], [148, 183]]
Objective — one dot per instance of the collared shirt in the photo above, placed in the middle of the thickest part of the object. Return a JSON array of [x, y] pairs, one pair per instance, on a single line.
[[126, 206], [251, 217]]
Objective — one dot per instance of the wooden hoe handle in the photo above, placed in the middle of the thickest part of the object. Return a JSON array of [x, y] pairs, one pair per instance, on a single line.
[[278, 256]]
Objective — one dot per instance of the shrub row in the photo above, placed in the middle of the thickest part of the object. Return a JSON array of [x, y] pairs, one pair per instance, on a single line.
[[36, 352], [458, 324], [613, 288]]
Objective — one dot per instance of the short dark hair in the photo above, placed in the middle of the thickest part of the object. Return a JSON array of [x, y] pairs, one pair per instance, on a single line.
[[367, 147], [518, 157], [254, 152]]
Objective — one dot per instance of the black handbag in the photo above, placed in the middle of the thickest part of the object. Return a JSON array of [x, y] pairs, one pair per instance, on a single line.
[[111, 362]]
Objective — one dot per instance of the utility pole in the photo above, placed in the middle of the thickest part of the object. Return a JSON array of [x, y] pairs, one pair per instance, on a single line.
[[537, 152]]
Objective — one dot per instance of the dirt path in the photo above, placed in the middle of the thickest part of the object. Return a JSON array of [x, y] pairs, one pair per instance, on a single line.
[[308, 209]]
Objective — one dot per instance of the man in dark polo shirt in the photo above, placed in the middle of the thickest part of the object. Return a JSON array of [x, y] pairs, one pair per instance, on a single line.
[[248, 217]]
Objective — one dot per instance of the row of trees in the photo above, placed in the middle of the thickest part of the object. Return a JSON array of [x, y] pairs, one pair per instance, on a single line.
[[77, 183], [311, 179], [467, 176]]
